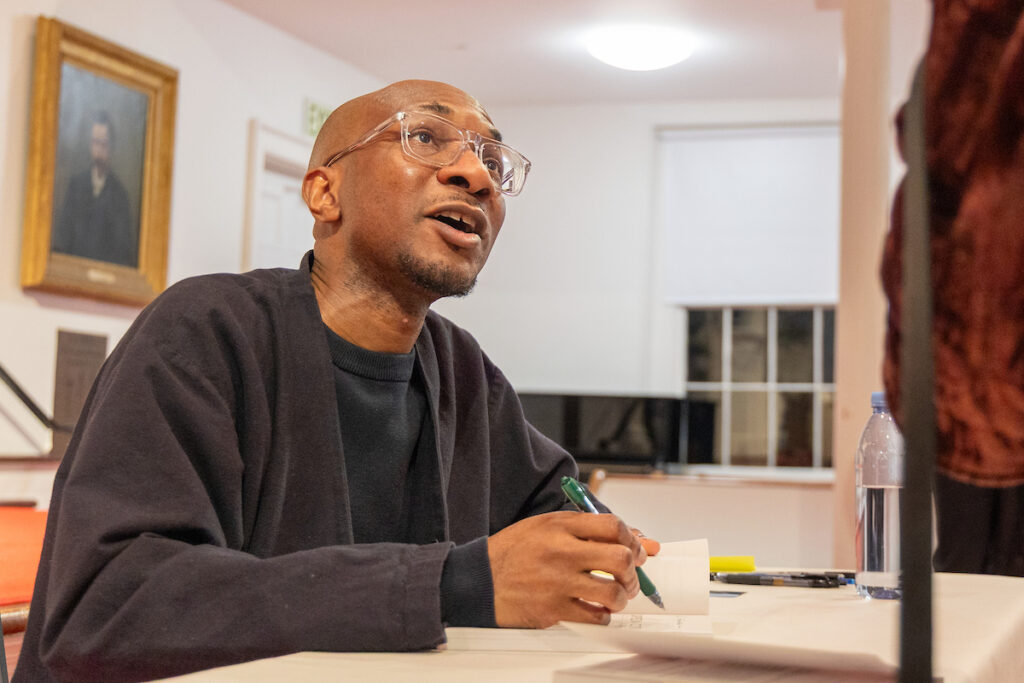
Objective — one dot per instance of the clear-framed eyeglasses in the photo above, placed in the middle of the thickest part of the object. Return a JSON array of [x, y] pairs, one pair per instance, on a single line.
[[437, 142]]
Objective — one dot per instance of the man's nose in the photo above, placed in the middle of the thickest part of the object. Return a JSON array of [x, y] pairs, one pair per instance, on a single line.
[[467, 172]]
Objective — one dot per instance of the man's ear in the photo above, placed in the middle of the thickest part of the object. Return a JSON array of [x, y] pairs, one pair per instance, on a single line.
[[320, 192]]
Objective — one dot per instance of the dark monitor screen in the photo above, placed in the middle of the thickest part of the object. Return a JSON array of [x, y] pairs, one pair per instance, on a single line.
[[609, 429]]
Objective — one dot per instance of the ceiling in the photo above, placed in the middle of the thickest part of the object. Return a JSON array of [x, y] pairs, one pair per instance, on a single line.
[[530, 51]]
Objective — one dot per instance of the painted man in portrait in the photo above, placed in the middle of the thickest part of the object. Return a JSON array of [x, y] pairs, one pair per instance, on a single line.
[[95, 218]]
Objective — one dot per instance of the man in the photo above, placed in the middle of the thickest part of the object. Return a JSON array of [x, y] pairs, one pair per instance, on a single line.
[[95, 219], [210, 509]]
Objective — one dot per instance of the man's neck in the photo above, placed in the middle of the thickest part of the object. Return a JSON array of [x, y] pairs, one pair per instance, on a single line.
[[99, 179], [365, 316]]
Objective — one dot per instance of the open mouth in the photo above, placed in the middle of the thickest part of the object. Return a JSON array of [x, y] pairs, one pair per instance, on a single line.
[[455, 221]]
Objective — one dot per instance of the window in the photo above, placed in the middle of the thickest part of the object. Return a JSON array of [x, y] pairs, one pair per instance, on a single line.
[[759, 386]]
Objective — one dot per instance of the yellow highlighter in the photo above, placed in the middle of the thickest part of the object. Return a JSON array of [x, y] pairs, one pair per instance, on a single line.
[[733, 563]]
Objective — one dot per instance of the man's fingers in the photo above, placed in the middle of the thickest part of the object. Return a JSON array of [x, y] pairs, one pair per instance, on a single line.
[[609, 530], [650, 546], [615, 566], [603, 589], [587, 613], [604, 528]]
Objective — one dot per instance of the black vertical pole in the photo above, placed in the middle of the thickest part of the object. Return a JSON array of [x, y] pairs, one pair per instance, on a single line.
[[917, 400]]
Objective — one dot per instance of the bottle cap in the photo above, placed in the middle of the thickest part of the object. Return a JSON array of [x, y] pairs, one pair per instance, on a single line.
[[878, 400]]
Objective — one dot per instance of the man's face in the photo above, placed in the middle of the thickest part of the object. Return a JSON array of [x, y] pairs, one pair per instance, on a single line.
[[100, 146], [413, 226]]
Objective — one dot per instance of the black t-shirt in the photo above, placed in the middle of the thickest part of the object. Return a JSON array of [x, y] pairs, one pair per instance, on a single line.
[[381, 409], [392, 469]]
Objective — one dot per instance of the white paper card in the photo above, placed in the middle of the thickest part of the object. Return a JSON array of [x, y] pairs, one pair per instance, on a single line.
[[680, 573]]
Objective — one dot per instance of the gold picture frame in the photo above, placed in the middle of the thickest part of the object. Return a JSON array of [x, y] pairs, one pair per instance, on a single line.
[[98, 186]]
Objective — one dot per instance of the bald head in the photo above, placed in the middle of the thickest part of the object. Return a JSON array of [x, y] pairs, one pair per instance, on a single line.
[[355, 118]]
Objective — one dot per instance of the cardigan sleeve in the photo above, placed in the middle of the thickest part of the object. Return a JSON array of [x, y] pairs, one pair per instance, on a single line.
[[527, 465]]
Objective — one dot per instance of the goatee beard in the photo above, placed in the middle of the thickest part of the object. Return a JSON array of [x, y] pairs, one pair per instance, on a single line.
[[440, 280]]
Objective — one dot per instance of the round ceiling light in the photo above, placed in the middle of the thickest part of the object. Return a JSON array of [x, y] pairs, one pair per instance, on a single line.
[[639, 47]]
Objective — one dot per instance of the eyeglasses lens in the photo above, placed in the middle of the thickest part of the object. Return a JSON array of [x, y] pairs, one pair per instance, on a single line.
[[438, 142]]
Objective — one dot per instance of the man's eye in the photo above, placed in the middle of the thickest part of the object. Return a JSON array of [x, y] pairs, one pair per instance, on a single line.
[[423, 137], [493, 162]]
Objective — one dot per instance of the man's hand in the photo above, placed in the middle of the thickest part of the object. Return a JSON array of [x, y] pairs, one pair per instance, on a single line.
[[650, 545], [542, 566]]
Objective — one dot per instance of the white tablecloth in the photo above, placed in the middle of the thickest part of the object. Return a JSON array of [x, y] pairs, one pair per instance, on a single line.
[[978, 627]]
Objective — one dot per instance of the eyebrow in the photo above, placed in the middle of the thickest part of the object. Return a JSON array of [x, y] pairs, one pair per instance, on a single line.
[[437, 108], [445, 110]]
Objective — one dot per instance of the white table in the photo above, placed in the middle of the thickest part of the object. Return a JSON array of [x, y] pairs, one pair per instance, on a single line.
[[978, 628]]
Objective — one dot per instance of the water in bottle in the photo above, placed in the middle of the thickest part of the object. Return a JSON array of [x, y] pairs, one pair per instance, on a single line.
[[879, 467]]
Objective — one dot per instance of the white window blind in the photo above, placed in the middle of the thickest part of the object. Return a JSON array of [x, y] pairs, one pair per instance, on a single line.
[[751, 215]]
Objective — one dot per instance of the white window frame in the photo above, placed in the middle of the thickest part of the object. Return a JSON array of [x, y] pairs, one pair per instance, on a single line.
[[772, 387]]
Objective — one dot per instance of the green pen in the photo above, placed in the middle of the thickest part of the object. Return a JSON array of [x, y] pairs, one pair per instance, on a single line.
[[583, 503]]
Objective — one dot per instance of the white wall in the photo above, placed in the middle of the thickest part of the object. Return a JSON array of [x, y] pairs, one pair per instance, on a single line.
[[570, 298], [231, 69], [782, 523]]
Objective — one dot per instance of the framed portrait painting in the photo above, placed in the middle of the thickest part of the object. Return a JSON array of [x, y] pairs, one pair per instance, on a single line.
[[98, 188]]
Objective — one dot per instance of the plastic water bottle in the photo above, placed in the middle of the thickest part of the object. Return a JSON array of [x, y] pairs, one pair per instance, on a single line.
[[879, 466]]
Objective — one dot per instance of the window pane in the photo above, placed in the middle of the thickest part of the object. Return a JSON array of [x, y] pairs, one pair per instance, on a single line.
[[829, 342], [703, 425], [796, 346], [749, 345], [795, 429], [704, 358], [749, 428], [827, 399]]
